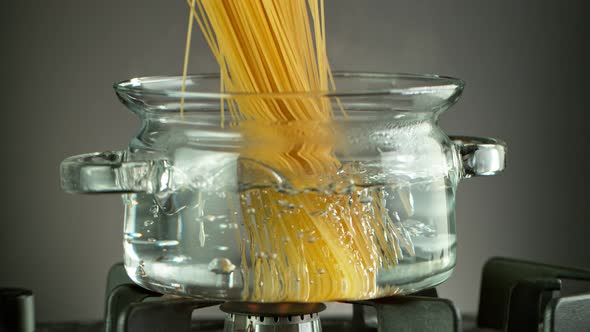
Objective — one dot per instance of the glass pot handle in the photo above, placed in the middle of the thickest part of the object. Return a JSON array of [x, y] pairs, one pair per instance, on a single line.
[[107, 172], [480, 156]]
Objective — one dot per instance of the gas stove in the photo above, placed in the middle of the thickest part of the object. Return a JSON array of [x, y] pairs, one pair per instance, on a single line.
[[515, 296]]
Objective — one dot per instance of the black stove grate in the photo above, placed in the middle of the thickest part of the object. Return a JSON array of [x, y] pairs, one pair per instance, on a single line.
[[518, 296], [515, 296]]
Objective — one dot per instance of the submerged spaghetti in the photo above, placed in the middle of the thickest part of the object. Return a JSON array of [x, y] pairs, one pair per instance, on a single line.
[[303, 245]]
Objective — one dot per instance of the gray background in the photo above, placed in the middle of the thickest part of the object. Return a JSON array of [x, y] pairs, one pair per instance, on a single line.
[[523, 62]]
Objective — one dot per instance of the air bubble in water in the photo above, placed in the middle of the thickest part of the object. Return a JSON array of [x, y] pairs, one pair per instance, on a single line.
[[202, 235], [148, 223], [261, 255], [173, 259], [312, 239], [416, 228], [172, 202], [286, 204], [221, 218], [355, 167], [169, 243], [154, 210], [140, 271], [319, 213], [366, 199], [343, 186], [221, 266]]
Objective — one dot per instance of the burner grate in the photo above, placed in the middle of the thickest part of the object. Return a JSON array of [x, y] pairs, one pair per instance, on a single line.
[[518, 296], [515, 296]]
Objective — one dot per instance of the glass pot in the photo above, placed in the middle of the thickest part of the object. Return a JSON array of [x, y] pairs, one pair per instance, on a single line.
[[359, 204]]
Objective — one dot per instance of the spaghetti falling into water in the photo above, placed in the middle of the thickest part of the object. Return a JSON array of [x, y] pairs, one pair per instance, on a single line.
[[300, 245]]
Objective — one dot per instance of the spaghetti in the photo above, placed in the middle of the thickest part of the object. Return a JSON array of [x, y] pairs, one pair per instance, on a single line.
[[304, 245]]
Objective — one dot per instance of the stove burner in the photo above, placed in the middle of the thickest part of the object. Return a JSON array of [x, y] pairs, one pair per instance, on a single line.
[[263, 317], [272, 309]]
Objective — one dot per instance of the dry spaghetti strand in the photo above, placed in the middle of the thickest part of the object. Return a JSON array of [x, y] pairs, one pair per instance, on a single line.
[[303, 245]]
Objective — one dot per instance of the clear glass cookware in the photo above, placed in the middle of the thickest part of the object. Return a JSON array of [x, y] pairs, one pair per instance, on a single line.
[[214, 207]]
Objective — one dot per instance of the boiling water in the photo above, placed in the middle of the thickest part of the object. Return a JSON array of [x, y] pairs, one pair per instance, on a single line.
[[193, 241]]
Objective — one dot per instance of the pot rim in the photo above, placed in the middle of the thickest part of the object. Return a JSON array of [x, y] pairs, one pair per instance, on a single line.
[[400, 84]]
